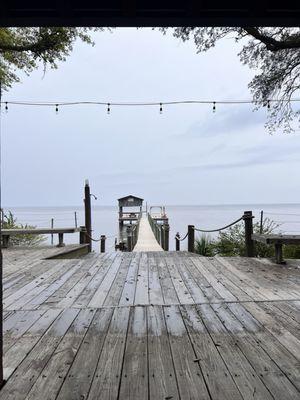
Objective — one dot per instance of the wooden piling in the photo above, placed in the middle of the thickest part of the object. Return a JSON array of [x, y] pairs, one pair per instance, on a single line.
[[82, 235], [249, 243], [88, 214], [166, 236], [102, 243], [191, 238], [177, 241]]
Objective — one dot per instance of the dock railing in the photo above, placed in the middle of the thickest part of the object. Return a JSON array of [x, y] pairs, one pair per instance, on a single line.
[[133, 234], [247, 217], [161, 232]]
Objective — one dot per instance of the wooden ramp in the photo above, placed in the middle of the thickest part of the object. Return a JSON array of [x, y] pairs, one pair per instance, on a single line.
[[146, 239], [150, 325]]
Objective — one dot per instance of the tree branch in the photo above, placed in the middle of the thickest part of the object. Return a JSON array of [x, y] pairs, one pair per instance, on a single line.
[[293, 42]]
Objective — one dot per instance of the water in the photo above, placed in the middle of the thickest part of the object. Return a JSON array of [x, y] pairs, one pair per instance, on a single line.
[[105, 219]]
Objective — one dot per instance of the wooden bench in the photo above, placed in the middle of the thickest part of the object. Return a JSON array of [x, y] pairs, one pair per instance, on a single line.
[[7, 233], [278, 241]]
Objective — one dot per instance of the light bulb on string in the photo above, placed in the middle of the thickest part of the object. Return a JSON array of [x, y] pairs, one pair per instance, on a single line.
[[6, 107], [214, 106], [160, 108], [268, 105], [56, 108], [108, 108]]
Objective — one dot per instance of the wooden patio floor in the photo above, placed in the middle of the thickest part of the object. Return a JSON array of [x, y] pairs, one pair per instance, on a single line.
[[155, 325]]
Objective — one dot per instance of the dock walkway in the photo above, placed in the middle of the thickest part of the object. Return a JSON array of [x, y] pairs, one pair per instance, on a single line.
[[146, 239], [150, 325]]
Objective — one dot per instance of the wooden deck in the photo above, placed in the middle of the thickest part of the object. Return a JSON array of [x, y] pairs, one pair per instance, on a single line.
[[150, 325]]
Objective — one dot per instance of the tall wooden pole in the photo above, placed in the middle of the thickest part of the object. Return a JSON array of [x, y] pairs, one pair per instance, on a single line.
[[88, 213], [1, 260]]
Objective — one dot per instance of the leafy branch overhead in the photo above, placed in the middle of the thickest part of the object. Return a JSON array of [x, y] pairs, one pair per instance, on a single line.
[[274, 53], [25, 48]]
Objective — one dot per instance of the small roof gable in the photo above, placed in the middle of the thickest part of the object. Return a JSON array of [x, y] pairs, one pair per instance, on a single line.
[[130, 197]]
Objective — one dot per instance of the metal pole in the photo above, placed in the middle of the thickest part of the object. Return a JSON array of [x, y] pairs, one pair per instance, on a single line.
[[52, 225], [248, 217], [75, 216], [261, 222], [191, 238], [88, 214]]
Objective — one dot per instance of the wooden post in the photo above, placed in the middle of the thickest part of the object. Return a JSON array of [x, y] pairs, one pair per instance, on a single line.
[[248, 217], [88, 214], [166, 236], [177, 242], [278, 253], [162, 237], [82, 236], [191, 238], [102, 243], [75, 216], [60, 240]]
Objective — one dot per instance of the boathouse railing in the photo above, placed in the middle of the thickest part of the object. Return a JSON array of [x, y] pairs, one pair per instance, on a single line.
[[133, 234], [247, 217], [161, 232]]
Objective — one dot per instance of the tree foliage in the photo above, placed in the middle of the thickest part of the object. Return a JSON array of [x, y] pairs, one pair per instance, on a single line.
[[24, 49], [10, 222], [275, 55]]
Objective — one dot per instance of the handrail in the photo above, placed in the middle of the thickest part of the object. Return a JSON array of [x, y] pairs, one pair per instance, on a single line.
[[220, 229], [246, 217]]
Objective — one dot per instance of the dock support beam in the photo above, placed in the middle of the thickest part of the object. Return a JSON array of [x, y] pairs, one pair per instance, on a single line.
[[177, 242], [191, 238], [249, 243], [88, 214]]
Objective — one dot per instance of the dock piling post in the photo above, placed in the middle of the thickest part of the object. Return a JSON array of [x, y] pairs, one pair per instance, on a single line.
[[88, 214], [177, 241], [162, 237], [82, 236], [248, 219], [60, 240], [191, 238], [102, 243], [166, 236]]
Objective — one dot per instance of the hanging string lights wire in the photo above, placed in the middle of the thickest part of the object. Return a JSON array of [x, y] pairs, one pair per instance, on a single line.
[[141, 104]]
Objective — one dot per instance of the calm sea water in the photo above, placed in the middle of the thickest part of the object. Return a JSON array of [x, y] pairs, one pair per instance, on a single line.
[[105, 218]]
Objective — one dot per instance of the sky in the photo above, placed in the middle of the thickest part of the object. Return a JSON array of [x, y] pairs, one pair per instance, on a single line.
[[186, 155]]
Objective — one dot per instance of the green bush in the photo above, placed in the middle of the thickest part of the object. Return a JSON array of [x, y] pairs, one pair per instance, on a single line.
[[232, 242], [10, 222]]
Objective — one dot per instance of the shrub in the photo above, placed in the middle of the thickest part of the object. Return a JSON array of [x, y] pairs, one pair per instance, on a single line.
[[10, 222]]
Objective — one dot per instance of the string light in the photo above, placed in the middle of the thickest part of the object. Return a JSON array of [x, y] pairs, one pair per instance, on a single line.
[[142, 104], [56, 108], [6, 107]]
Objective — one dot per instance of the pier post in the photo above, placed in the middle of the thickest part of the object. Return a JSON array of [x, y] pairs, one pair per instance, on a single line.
[[129, 239], [162, 237], [82, 236], [191, 238], [166, 236], [102, 243], [88, 214], [177, 242], [248, 219]]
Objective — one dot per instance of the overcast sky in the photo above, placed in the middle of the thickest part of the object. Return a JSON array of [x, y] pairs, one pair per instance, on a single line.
[[186, 155]]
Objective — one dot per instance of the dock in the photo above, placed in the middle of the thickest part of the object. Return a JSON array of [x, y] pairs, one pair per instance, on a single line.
[[150, 325], [146, 240]]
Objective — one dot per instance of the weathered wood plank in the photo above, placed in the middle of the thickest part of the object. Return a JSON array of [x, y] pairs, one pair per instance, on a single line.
[[134, 381], [107, 376]]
